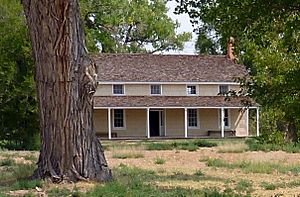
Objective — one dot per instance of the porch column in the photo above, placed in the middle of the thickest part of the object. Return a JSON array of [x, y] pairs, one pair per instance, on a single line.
[[185, 123], [222, 122], [148, 124], [247, 121], [109, 122], [257, 121]]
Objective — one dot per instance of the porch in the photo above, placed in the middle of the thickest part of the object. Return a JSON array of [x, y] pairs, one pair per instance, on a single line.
[[171, 122]]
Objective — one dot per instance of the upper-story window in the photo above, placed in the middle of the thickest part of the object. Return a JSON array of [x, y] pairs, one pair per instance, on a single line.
[[118, 89], [223, 89], [155, 89], [191, 90]]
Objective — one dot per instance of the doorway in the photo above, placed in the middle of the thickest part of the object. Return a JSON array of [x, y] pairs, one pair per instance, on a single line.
[[156, 121]]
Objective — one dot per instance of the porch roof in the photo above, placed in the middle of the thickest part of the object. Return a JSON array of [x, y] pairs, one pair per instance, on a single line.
[[168, 101]]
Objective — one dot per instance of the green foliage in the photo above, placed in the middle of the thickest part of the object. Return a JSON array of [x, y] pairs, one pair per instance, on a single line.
[[272, 142], [18, 105], [190, 145], [205, 143], [267, 42], [127, 26]]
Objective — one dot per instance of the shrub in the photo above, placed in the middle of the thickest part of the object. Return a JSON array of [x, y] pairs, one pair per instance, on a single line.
[[159, 161], [204, 143]]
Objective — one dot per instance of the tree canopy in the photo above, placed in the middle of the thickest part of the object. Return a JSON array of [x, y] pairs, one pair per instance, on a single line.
[[18, 105], [130, 26], [267, 37]]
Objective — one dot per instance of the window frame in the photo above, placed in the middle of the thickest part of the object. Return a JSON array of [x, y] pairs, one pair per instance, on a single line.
[[123, 89], [197, 119], [124, 120], [222, 93], [196, 93], [160, 88], [228, 118]]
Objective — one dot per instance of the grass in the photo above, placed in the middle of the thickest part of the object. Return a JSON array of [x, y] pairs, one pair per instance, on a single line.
[[16, 173], [7, 162], [268, 186], [30, 157], [255, 144], [127, 155], [26, 184], [190, 145], [143, 183], [233, 148], [159, 161], [199, 173], [254, 167], [244, 186]]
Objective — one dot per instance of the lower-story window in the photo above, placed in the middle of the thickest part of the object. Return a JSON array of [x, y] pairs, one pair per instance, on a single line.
[[119, 120], [226, 118], [192, 118]]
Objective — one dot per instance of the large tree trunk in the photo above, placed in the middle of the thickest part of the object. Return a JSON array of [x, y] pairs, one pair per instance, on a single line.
[[66, 81]]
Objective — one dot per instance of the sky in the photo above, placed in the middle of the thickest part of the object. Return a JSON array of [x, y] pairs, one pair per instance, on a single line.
[[185, 26]]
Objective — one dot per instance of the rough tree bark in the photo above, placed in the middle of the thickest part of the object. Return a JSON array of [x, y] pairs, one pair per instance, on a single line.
[[66, 81]]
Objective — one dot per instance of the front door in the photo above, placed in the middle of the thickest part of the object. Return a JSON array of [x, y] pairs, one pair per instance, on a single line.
[[154, 123]]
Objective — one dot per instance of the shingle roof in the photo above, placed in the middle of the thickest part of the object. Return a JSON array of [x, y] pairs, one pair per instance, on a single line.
[[166, 101], [166, 68]]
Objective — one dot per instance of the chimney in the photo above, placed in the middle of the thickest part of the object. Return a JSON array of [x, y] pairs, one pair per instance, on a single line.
[[230, 48]]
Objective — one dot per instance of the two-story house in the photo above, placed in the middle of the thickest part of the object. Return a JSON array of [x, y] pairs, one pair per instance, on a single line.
[[146, 95]]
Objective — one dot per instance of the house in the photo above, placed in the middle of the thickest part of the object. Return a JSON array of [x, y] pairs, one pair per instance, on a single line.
[[147, 95]]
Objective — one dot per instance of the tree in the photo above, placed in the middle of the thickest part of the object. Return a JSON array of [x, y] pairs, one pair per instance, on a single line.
[[267, 35], [205, 45], [18, 104], [66, 80], [131, 25]]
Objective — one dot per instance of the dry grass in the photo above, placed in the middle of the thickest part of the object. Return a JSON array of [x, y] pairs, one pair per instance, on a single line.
[[189, 170]]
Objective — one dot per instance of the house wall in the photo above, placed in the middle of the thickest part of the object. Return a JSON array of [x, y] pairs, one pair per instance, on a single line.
[[167, 90], [100, 122], [239, 121], [135, 123], [174, 122]]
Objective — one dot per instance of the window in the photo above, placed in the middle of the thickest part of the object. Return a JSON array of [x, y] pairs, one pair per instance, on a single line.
[[155, 89], [191, 90], [119, 118], [192, 118], [223, 89], [226, 118], [118, 89]]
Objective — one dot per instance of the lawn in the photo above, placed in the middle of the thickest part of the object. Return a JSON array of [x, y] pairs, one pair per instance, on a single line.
[[168, 168]]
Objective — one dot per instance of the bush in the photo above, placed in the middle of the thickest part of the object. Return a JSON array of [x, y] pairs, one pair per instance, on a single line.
[[272, 142]]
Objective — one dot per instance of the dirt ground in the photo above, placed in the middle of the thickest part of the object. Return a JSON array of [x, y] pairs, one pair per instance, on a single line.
[[189, 162], [185, 162]]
